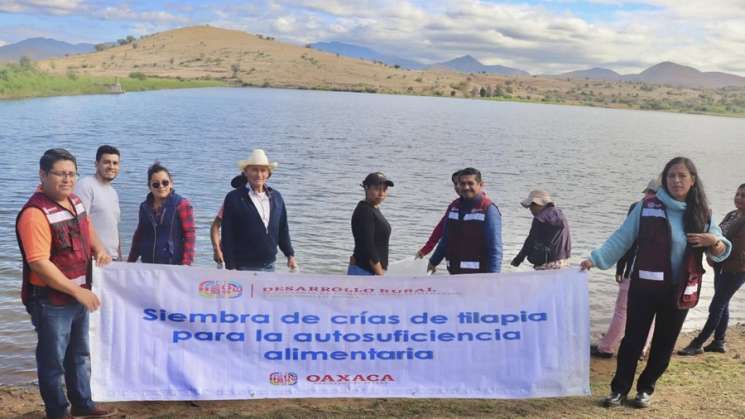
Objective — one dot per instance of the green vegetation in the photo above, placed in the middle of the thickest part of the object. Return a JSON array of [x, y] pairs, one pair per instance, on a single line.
[[24, 80]]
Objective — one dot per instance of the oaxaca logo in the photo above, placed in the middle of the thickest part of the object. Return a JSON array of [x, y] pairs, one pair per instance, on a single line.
[[350, 378], [220, 289], [283, 378]]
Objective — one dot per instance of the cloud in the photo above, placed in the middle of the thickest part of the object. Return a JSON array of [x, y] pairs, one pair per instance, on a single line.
[[3, 43], [535, 35], [52, 7]]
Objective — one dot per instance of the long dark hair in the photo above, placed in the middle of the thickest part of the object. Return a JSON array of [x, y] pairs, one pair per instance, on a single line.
[[696, 216]]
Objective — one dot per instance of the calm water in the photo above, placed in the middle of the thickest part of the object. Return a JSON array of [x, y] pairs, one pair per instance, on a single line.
[[594, 161]]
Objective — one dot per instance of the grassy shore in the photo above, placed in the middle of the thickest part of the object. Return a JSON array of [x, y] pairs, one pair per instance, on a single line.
[[708, 386], [19, 81]]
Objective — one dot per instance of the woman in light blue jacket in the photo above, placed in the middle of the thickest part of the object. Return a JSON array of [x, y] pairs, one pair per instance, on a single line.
[[673, 230]]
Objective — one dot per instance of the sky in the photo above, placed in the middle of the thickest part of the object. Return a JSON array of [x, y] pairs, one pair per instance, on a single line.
[[539, 36]]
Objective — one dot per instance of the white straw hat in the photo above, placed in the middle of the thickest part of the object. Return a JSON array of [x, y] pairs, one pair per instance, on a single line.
[[257, 158], [541, 198]]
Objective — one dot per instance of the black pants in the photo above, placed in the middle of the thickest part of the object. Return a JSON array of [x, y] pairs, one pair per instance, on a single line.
[[647, 300], [725, 286]]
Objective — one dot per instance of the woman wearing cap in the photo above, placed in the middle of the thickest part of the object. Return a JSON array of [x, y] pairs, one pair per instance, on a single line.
[[728, 278], [672, 230], [548, 245], [370, 229], [254, 220], [608, 344], [165, 231]]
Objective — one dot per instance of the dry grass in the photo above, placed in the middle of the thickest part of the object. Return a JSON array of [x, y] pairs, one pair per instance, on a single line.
[[705, 386], [205, 52]]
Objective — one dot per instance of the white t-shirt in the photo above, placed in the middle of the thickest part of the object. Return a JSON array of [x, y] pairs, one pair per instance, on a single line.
[[102, 203]]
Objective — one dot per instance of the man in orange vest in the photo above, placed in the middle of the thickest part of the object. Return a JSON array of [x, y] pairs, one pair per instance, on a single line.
[[57, 242]]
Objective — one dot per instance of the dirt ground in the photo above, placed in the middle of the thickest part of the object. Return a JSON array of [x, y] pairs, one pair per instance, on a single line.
[[708, 385]]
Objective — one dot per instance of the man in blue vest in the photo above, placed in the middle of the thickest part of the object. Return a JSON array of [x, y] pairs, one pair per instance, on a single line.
[[255, 220], [472, 238]]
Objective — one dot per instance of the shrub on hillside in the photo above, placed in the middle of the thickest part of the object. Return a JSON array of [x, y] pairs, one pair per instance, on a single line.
[[137, 75]]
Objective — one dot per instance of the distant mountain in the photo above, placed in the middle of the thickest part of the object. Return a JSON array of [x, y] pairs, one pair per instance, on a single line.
[[356, 51], [468, 64], [41, 49], [591, 74], [663, 73], [680, 75]]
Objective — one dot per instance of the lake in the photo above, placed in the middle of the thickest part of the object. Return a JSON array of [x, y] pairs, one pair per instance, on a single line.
[[594, 161]]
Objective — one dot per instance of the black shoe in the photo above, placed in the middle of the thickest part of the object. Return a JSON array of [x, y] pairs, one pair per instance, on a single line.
[[691, 350], [597, 353], [716, 346], [642, 400], [614, 399]]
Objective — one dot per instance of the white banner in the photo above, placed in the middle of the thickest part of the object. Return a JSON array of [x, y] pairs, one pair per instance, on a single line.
[[187, 333]]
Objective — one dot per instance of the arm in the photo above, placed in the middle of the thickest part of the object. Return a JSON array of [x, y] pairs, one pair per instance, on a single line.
[[98, 250], [439, 253], [186, 215], [227, 235], [493, 243], [718, 246], [618, 243], [134, 250], [434, 237], [215, 239], [285, 244], [526, 245]]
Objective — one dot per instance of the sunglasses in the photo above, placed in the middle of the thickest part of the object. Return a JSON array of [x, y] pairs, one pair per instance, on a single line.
[[157, 185]]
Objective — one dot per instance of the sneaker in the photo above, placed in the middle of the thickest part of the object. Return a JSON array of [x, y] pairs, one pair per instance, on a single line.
[[597, 353], [716, 346], [691, 350], [614, 399], [642, 400], [96, 412]]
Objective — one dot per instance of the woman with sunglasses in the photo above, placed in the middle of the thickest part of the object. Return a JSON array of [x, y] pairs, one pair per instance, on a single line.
[[165, 232]]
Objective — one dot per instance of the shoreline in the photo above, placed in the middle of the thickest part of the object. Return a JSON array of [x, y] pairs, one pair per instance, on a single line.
[[205, 83], [692, 386]]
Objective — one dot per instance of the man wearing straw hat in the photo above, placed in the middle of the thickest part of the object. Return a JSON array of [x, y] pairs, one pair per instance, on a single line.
[[255, 220]]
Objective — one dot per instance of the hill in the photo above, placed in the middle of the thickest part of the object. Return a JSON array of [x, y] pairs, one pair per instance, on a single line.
[[356, 51], [665, 73], [41, 49], [680, 75], [591, 74], [239, 58], [468, 64]]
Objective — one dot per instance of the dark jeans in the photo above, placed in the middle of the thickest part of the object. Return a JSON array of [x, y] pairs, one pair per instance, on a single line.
[[646, 302], [725, 286], [62, 351]]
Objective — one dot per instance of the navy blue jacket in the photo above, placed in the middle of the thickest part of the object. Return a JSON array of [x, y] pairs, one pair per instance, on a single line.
[[245, 240], [160, 240]]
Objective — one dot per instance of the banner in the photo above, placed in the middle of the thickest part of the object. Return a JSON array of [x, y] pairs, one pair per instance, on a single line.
[[187, 333]]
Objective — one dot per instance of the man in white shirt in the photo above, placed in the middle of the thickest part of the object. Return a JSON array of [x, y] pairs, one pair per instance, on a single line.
[[101, 200]]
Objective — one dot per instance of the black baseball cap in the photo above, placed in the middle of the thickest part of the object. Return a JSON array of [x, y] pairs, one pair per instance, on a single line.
[[376, 178]]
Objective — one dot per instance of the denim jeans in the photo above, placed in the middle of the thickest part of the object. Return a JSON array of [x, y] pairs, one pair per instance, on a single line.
[[725, 286], [266, 268], [357, 271], [62, 351]]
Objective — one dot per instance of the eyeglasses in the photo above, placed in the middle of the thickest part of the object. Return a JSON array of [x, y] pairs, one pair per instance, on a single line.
[[157, 185], [63, 175]]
